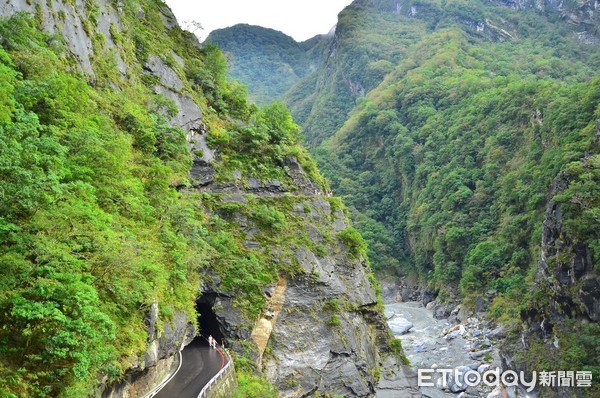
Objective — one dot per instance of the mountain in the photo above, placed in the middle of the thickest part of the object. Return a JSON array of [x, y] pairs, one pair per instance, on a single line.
[[144, 201], [447, 126], [268, 61]]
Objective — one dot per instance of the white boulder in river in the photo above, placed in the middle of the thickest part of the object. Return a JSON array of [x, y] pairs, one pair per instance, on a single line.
[[399, 325]]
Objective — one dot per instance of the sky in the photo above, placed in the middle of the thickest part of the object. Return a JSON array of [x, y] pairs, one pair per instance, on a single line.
[[301, 19]]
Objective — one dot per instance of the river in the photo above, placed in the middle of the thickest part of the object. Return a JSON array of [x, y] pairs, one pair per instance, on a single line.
[[438, 344]]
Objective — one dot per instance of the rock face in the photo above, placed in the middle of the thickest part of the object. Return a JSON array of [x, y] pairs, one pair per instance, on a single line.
[[69, 20], [585, 14], [320, 331], [574, 282], [566, 282], [159, 360], [312, 349], [400, 325], [565, 270]]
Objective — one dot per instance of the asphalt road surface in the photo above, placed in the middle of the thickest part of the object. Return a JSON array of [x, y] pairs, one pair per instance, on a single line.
[[199, 364]]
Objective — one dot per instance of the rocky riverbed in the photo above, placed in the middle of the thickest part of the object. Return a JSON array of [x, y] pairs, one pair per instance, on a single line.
[[431, 343]]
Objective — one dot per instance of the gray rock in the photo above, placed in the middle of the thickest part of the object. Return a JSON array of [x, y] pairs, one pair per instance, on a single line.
[[168, 77], [202, 174], [396, 381], [176, 334], [441, 312], [189, 116], [420, 347], [478, 354], [168, 19], [339, 221], [320, 209], [476, 333], [463, 314], [481, 304], [498, 333], [452, 335], [432, 392], [472, 392], [496, 393], [511, 392], [197, 144], [318, 357], [177, 58], [399, 325], [456, 380], [295, 171], [254, 184], [71, 28], [250, 233], [231, 321], [151, 319], [298, 208], [235, 198], [314, 234], [276, 183]]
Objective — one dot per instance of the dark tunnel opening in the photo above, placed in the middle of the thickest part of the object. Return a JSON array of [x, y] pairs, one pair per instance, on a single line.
[[207, 320]]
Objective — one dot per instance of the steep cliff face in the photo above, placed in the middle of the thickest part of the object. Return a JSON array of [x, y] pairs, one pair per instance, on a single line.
[[244, 215], [560, 328], [583, 14], [96, 45], [320, 329], [566, 273]]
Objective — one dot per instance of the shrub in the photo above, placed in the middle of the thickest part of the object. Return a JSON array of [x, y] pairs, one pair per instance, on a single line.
[[354, 241], [268, 217], [334, 321]]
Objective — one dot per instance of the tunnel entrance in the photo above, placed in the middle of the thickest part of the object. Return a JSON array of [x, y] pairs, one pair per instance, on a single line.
[[207, 319]]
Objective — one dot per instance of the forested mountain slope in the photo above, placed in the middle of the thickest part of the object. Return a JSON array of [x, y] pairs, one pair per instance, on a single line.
[[268, 61], [137, 185], [449, 152]]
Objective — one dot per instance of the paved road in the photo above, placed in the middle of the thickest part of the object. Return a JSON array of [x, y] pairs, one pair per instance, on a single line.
[[199, 364]]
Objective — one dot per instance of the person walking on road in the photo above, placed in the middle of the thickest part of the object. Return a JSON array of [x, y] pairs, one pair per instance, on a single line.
[[211, 341]]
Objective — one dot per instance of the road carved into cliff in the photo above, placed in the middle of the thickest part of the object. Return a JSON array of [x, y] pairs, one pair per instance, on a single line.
[[200, 364]]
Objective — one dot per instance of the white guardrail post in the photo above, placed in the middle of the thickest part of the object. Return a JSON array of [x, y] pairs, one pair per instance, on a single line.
[[165, 381], [216, 378]]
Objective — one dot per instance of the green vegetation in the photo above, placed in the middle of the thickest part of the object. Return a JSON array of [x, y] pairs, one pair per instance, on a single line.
[[396, 349], [251, 386], [355, 242], [259, 146], [455, 159], [443, 125], [89, 229], [579, 349], [334, 321], [96, 221], [268, 61], [369, 41], [580, 204]]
